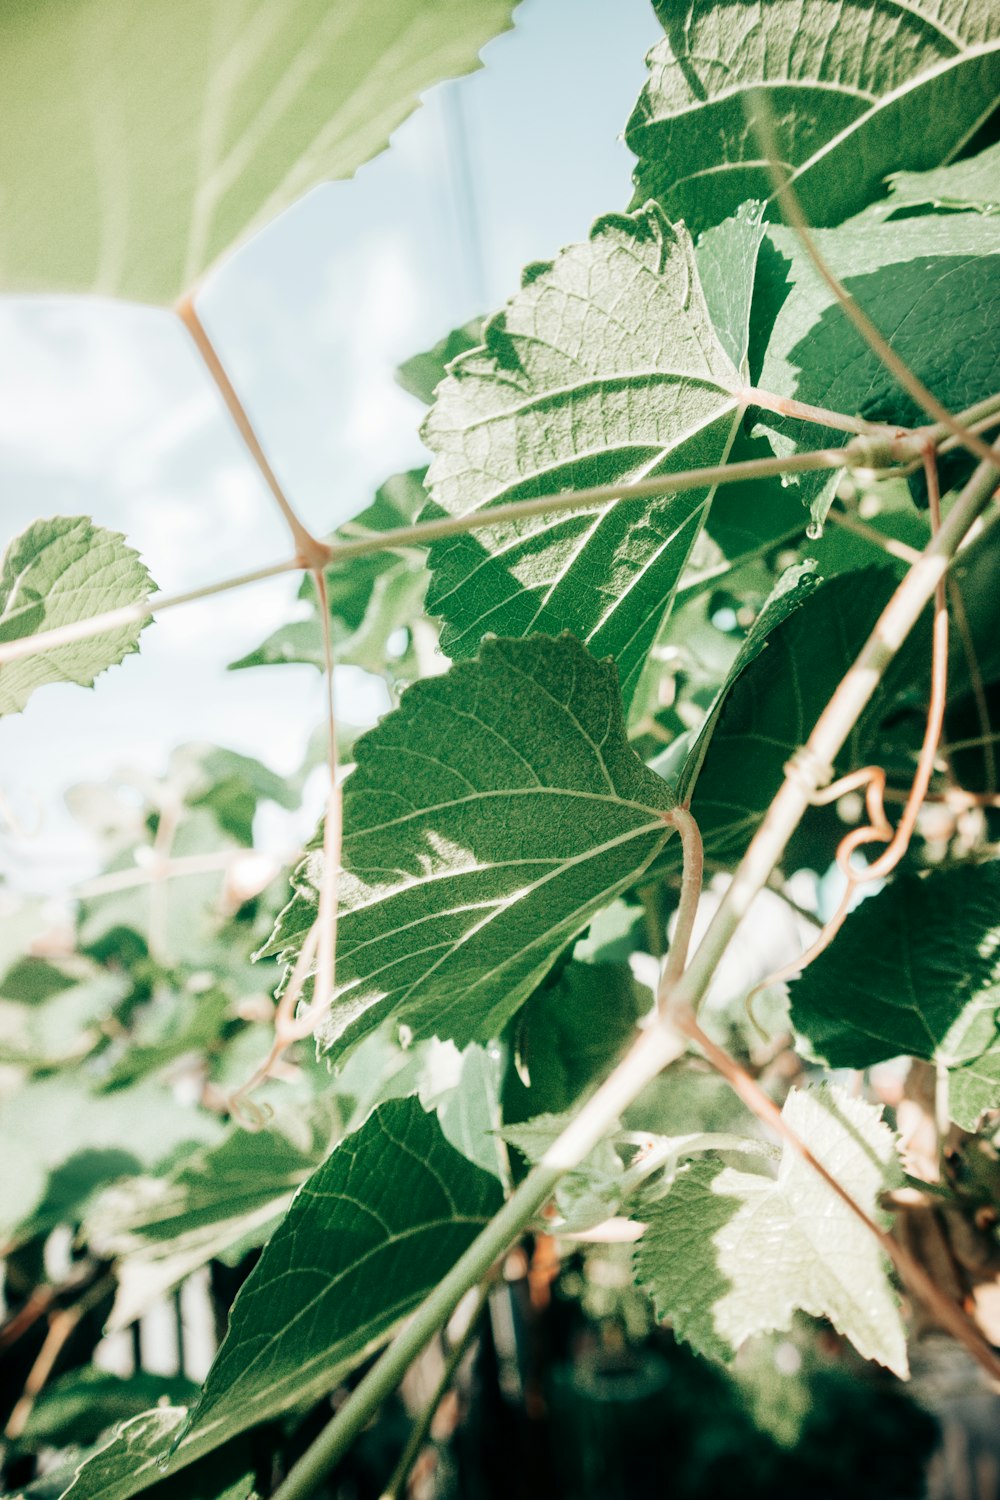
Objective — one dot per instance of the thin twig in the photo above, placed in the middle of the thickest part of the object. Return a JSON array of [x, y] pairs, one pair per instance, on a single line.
[[311, 552], [421, 533]]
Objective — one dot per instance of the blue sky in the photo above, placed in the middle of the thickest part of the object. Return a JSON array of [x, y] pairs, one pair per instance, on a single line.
[[105, 410]]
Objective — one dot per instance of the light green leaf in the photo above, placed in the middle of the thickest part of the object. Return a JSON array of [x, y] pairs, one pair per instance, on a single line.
[[371, 598], [47, 1178], [728, 1253], [486, 821], [913, 278], [60, 572], [970, 184], [160, 1229], [604, 368], [140, 145], [856, 91], [726, 257], [370, 1233], [915, 972]]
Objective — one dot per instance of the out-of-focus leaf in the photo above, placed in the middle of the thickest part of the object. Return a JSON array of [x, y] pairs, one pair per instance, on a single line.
[[61, 572], [138, 145]]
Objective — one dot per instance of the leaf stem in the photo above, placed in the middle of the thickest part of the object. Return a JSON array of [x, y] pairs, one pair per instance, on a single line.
[[310, 552], [692, 873]]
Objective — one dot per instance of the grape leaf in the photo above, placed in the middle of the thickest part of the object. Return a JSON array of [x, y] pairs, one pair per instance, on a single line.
[[160, 1229], [488, 818], [370, 598], [857, 91], [970, 184], [60, 572], [569, 1034], [773, 697], [130, 1463], [46, 1180], [913, 278], [82, 1404], [138, 147], [371, 1232], [915, 971], [729, 1253], [421, 374], [604, 368]]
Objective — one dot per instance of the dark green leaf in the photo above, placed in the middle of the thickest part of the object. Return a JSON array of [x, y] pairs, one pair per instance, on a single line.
[[370, 1233], [915, 971], [856, 91]]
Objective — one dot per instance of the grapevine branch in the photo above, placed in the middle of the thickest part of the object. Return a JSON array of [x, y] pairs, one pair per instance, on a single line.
[[660, 1043], [421, 533]]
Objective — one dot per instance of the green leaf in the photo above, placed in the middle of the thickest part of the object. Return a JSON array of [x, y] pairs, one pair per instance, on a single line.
[[131, 1463], [913, 278], [60, 572], [791, 591], [47, 1178], [160, 1229], [569, 1034], [729, 1253], [970, 184], [423, 373], [138, 148], [726, 257], [915, 972], [486, 821], [604, 368], [371, 598], [772, 698], [82, 1404], [856, 92], [370, 1233]]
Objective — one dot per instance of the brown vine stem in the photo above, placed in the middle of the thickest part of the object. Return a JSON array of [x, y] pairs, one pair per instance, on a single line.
[[762, 124], [911, 1272], [423, 532], [310, 551]]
